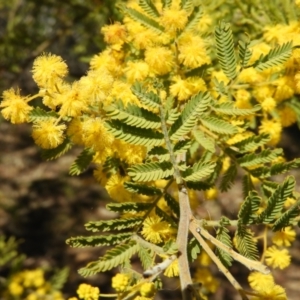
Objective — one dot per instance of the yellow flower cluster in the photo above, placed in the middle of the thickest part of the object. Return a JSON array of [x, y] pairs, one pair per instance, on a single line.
[[120, 282], [31, 285]]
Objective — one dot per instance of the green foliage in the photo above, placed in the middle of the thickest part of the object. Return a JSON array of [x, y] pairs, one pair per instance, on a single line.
[[228, 178], [151, 171], [112, 258], [199, 171], [276, 201], [82, 161], [50, 154], [275, 57], [9, 252], [189, 116], [149, 8], [128, 207], [194, 249], [160, 153], [38, 114], [225, 50], [146, 256], [218, 125], [134, 135], [224, 237], [244, 53], [194, 17], [228, 108], [173, 204], [98, 240], [248, 211], [252, 143], [205, 141], [149, 99], [246, 245], [59, 278], [142, 189]]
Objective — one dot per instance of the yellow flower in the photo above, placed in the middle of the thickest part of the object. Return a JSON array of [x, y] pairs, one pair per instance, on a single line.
[[136, 71], [88, 292], [257, 280], [284, 237], [15, 107], [172, 270], [155, 230], [120, 282], [47, 68], [160, 59], [289, 202], [174, 19], [268, 104], [132, 154], [273, 128], [180, 88], [192, 51], [297, 2], [74, 131], [211, 194], [116, 190], [287, 116], [270, 292], [147, 289], [277, 258], [114, 34], [47, 134], [15, 289]]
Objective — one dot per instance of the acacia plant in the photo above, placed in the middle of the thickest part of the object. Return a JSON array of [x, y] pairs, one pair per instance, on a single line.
[[176, 109]]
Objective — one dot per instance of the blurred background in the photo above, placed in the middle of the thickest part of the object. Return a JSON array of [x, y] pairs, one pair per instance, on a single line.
[[41, 205]]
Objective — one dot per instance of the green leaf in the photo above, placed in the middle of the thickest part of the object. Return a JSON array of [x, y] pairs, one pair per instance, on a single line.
[[251, 143], [247, 185], [111, 225], [281, 168], [142, 189], [166, 217], [225, 50], [245, 243], [149, 8], [228, 178], [218, 125], [50, 154], [98, 240], [247, 214], [189, 116], [193, 19], [166, 3], [133, 115], [134, 135], [82, 162], [205, 141], [276, 201], [199, 171], [58, 280], [151, 171], [287, 217], [128, 207], [173, 204], [199, 186], [38, 114], [253, 159], [182, 146], [160, 153], [224, 237], [193, 249], [269, 187], [220, 87], [151, 99], [244, 53], [275, 57], [228, 108], [144, 20], [146, 256], [111, 259]]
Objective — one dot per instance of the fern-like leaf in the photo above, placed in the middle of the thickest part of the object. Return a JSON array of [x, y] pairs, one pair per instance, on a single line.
[[287, 217], [144, 20], [218, 125], [50, 154], [59, 278], [151, 100], [228, 108], [220, 87], [134, 135], [111, 225], [146, 256], [225, 50], [173, 204], [149, 8], [151, 171], [159, 153], [247, 185], [111, 259], [205, 141], [244, 53], [38, 114], [193, 249], [247, 214], [166, 3], [142, 189], [228, 178], [199, 185], [128, 207], [166, 217], [182, 146], [82, 162], [275, 57], [99, 240], [251, 143], [269, 187], [281, 168], [276, 201], [133, 115], [189, 116], [193, 19], [224, 237], [199, 171], [253, 159], [246, 245]]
